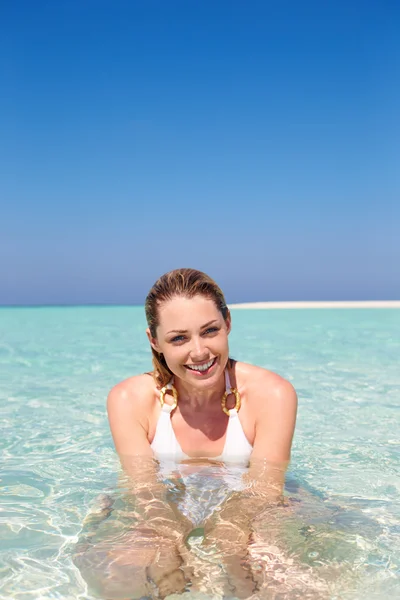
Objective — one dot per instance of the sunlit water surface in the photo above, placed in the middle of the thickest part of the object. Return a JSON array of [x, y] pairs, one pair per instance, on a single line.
[[341, 540]]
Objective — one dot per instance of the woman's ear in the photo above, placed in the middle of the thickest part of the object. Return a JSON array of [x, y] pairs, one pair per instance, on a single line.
[[153, 341]]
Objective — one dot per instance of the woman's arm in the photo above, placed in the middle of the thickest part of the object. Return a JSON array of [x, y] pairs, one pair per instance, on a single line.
[[275, 426], [158, 538], [128, 407], [274, 429], [231, 528]]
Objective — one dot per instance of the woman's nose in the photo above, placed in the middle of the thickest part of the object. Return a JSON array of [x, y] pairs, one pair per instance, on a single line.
[[199, 351]]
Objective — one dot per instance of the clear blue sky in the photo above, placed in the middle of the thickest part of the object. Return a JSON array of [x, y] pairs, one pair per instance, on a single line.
[[255, 140]]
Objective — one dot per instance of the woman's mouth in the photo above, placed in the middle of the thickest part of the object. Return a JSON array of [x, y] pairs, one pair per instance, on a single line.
[[203, 368]]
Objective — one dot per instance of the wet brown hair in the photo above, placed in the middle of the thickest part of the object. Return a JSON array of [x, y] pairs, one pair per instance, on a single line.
[[180, 282]]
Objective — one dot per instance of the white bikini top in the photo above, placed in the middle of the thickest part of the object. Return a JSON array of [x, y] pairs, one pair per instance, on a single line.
[[236, 449]]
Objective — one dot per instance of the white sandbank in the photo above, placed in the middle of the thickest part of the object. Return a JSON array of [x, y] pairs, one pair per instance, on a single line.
[[329, 304]]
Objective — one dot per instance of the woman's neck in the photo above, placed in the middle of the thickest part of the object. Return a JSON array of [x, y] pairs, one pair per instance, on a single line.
[[199, 400]]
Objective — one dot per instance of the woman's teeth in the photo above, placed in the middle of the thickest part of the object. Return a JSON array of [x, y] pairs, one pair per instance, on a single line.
[[201, 367]]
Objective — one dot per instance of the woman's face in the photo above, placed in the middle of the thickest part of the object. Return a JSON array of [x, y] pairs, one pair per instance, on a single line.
[[193, 336]]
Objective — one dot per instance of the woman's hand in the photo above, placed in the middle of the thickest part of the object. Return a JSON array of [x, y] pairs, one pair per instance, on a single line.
[[230, 529], [228, 542]]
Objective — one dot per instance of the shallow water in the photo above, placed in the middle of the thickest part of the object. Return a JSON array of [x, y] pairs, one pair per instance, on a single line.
[[341, 537]]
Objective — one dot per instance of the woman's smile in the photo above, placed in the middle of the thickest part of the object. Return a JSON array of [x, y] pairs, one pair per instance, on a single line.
[[201, 369]]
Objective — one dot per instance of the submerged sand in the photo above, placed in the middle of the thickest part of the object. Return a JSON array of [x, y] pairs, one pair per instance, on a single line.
[[333, 304]]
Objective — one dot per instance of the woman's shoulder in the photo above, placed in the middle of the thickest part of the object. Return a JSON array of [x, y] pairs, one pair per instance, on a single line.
[[138, 391], [261, 384], [130, 405]]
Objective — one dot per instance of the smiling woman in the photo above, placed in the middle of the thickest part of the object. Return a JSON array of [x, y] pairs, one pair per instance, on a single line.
[[188, 328], [201, 347], [197, 408], [186, 287]]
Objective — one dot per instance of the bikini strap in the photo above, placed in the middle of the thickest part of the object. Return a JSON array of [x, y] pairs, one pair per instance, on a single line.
[[228, 391], [227, 382]]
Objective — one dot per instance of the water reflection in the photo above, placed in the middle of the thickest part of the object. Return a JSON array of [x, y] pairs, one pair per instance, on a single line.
[[194, 527]]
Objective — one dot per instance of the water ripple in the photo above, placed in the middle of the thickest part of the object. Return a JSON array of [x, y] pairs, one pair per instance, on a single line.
[[56, 368]]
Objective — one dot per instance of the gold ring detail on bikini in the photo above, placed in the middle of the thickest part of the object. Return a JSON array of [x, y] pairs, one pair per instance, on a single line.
[[164, 390], [225, 396]]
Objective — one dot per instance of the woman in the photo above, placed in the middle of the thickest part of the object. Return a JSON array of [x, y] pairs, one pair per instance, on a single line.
[[188, 328], [196, 404]]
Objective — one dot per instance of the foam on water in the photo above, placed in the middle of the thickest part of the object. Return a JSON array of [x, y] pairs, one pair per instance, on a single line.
[[342, 538]]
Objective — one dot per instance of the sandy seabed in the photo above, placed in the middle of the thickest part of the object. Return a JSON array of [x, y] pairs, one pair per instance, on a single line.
[[329, 304]]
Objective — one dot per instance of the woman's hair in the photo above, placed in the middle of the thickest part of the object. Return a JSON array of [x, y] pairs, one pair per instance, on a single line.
[[180, 282]]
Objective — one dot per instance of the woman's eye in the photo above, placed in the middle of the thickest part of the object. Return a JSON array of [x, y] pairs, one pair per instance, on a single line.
[[178, 338], [211, 330]]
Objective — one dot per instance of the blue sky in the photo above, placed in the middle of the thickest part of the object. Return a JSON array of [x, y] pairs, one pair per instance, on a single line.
[[257, 141]]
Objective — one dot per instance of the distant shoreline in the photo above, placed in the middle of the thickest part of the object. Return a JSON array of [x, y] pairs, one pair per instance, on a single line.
[[328, 304]]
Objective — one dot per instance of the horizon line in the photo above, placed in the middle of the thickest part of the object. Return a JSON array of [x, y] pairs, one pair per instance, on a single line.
[[236, 305]]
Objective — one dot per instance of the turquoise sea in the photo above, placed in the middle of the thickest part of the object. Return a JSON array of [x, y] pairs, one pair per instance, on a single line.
[[57, 365]]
